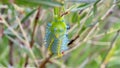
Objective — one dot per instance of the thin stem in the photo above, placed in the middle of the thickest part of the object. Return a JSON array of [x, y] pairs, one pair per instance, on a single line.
[[65, 13], [11, 53], [71, 41], [109, 12], [23, 31], [105, 33], [17, 35], [93, 28], [62, 65], [43, 64], [110, 50], [34, 27], [33, 33], [12, 30]]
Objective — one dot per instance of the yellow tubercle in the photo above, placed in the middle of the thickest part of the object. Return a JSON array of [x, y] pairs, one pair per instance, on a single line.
[[49, 48], [60, 55], [58, 49]]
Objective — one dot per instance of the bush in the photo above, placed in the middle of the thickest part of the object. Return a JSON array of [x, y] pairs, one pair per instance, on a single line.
[[92, 29]]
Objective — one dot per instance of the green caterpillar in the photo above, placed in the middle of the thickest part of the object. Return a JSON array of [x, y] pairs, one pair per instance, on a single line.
[[56, 36]]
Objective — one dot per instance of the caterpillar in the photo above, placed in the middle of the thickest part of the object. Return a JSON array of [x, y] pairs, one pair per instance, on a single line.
[[56, 36]]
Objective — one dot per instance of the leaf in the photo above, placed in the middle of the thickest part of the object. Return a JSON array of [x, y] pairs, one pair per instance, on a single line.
[[38, 3], [95, 7], [80, 7], [114, 61], [21, 63], [4, 50], [82, 1], [28, 15]]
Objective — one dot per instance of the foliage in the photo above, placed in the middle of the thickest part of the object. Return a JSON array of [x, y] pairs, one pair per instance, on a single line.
[[94, 33]]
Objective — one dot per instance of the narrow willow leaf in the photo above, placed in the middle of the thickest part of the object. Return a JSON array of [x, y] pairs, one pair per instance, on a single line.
[[27, 16], [32, 3], [82, 1], [80, 8]]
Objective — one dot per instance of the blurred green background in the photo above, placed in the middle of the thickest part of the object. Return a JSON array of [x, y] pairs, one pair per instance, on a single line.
[[94, 27]]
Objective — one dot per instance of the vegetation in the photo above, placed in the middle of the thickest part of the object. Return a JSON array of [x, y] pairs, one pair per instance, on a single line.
[[93, 33]]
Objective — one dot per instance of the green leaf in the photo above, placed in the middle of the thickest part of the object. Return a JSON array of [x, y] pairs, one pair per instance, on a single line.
[[80, 7], [39, 3], [28, 15], [114, 61], [95, 7], [82, 1]]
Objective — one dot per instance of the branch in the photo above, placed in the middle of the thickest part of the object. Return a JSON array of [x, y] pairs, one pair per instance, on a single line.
[[110, 50], [92, 29], [34, 27], [43, 64], [33, 33], [65, 13], [11, 53]]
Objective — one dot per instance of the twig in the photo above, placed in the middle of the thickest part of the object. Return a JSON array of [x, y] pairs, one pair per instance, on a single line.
[[109, 12], [84, 38], [65, 13], [43, 64], [92, 29], [34, 27], [11, 53], [33, 33], [62, 65], [71, 41], [98, 42], [23, 31], [77, 35], [17, 35], [110, 50], [82, 22], [105, 33], [12, 30]]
